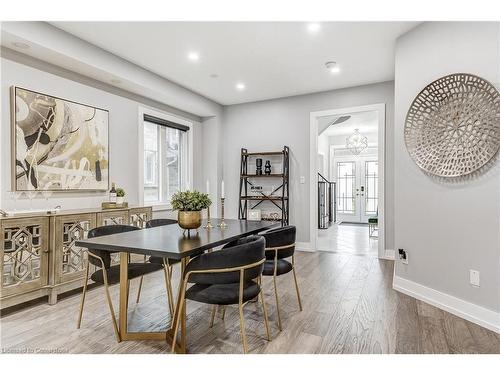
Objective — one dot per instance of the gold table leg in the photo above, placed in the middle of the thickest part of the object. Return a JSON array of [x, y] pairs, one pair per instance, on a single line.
[[131, 336]]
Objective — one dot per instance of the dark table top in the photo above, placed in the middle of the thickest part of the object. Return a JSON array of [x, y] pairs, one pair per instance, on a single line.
[[168, 241]]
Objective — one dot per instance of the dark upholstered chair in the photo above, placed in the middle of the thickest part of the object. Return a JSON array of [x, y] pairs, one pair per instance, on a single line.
[[108, 274], [225, 277], [280, 244]]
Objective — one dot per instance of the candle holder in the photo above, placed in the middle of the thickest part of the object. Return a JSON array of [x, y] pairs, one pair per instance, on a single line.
[[222, 223], [209, 224]]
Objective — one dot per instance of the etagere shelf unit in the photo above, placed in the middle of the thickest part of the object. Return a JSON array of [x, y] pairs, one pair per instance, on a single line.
[[279, 196]]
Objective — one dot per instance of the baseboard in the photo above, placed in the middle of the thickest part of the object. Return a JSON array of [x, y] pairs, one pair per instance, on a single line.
[[303, 246], [476, 314]]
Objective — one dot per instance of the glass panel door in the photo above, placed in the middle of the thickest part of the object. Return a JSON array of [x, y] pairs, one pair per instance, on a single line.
[[346, 189], [370, 193], [357, 189]]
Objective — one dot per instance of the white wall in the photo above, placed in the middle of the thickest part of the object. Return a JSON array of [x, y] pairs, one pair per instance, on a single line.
[[448, 228], [270, 124], [324, 149], [123, 118]]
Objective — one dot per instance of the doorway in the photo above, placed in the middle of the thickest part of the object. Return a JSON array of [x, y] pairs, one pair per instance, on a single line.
[[353, 141], [356, 178]]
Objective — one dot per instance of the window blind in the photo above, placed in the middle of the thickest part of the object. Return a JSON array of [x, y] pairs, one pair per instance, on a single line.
[[163, 122]]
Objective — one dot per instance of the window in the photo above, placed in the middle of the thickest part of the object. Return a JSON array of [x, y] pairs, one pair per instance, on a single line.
[[165, 159]]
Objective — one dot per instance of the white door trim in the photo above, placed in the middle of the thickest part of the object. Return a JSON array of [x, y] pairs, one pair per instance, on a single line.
[[313, 152]]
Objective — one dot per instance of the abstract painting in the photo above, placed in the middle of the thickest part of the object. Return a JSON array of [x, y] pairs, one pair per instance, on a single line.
[[58, 144]]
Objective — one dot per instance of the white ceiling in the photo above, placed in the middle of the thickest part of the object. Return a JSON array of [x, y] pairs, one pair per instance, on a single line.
[[273, 59], [366, 122]]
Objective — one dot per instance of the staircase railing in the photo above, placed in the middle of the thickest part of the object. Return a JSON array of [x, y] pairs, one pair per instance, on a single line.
[[327, 207]]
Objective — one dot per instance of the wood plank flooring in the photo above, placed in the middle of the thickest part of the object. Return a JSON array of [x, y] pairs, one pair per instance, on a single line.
[[349, 307]]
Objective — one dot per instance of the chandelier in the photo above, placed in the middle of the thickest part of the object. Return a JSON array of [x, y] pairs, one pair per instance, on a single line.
[[356, 142]]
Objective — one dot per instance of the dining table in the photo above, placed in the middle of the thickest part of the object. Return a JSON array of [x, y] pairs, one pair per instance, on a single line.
[[173, 242]]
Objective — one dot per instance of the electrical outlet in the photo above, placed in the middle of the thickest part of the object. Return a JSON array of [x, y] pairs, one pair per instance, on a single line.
[[474, 277], [403, 256], [302, 180]]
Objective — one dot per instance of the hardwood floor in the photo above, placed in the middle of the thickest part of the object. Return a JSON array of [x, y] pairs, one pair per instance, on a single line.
[[347, 238], [349, 307]]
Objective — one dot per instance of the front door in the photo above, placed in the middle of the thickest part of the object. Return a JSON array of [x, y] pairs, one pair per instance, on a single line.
[[357, 188]]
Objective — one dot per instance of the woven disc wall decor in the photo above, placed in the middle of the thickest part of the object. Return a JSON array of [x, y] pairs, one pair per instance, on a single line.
[[452, 128]]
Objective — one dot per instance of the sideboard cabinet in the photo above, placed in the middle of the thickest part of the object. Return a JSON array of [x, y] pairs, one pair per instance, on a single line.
[[38, 254]]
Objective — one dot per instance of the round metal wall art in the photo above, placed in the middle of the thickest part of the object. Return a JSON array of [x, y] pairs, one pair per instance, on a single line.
[[452, 128]]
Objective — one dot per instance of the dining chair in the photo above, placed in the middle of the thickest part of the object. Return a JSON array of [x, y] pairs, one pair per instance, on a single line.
[[225, 277], [108, 274], [280, 244]]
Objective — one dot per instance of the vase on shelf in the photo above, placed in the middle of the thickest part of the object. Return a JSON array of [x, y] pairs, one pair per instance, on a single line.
[[267, 169], [258, 164]]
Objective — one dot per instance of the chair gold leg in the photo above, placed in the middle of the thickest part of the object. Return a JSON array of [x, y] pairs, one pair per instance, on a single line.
[[139, 290], [277, 303], [140, 284], [168, 285], [110, 303], [276, 288], [84, 293], [214, 311], [223, 315], [296, 284], [264, 311], [242, 318]]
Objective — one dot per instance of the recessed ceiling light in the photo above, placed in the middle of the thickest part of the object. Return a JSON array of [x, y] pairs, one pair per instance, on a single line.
[[115, 81], [20, 45], [193, 56], [313, 27], [240, 86], [332, 66]]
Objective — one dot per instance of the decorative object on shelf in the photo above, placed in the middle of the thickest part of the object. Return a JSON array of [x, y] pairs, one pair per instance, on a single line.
[[120, 196], [255, 189], [222, 223], [58, 144], [113, 206], [253, 196], [112, 193], [273, 216], [356, 142], [258, 163], [452, 128], [189, 205], [254, 215], [267, 168], [209, 223]]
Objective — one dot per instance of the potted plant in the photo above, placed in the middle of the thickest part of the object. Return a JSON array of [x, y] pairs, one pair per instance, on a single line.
[[120, 194], [189, 204]]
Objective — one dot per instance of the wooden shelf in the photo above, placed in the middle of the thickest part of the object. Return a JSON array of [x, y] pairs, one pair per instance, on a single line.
[[262, 175], [257, 198], [263, 153]]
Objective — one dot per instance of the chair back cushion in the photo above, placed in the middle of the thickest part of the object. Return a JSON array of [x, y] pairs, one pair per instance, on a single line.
[[245, 251], [159, 222], [104, 231], [280, 237]]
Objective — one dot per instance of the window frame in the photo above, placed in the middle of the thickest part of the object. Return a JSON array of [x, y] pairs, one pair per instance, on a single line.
[[186, 156]]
